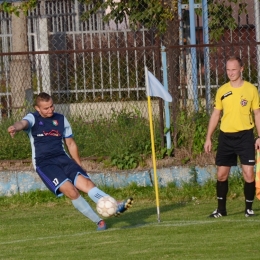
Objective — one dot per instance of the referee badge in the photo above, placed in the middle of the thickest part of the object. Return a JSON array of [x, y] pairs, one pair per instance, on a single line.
[[243, 102]]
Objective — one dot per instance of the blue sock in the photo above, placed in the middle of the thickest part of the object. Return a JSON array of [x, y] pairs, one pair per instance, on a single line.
[[95, 194], [82, 206]]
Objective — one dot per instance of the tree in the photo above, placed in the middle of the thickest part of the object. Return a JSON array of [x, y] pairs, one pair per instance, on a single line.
[[8, 6], [147, 13], [158, 13]]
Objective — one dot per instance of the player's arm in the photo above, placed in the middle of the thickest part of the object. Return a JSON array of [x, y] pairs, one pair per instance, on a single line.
[[257, 125], [18, 126], [213, 122], [73, 149]]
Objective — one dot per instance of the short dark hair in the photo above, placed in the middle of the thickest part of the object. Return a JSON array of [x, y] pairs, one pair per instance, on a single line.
[[231, 58], [43, 96]]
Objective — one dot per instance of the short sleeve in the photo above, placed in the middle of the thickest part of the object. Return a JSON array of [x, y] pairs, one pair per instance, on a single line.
[[255, 101], [218, 102], [31, 120], [67, 129]]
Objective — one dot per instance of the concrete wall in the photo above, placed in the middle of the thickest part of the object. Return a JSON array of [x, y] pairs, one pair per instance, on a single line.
[[12, 182]]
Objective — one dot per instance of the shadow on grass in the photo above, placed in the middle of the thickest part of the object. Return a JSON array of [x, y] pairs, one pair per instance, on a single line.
[[142, 216]]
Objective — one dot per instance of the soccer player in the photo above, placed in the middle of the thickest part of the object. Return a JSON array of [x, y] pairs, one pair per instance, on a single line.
[[236, 100], [61, 172]]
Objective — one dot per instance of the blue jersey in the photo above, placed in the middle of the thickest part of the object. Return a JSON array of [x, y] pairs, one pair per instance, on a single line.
[[46, 136]]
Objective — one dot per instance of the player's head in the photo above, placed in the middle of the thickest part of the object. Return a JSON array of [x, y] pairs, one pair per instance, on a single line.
[[234, 68], [44, 105]]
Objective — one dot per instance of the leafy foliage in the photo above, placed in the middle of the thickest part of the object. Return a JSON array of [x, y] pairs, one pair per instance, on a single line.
[[192, 130], [125, 161], [23, 6], [221, 16], [147, 13], [124, 138], [156, 14]]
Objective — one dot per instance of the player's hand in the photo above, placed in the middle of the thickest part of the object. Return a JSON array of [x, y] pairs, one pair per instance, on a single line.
[[11, 130]]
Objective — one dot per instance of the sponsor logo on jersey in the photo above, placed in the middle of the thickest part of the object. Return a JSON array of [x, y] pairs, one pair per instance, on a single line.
[[52, 133], [40, 134], [243, 102], [55, 122]]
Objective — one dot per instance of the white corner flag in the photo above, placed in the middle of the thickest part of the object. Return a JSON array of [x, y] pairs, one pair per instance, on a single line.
[[154, 87]]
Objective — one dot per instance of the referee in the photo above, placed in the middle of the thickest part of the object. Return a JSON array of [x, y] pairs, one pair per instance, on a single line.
[[234, 103]]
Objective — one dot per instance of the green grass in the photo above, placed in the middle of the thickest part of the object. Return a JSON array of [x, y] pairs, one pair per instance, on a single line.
[[53, 229]]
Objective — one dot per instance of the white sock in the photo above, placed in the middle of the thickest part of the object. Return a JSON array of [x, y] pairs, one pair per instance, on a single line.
[[82, 206], [95, 194]]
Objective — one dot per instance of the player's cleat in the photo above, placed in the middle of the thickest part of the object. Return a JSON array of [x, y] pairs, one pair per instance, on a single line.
[[123, 206], [101, 225], [249, 213], [217, 214]]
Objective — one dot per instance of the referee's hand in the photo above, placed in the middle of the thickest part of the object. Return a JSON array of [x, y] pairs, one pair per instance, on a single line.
[[207, 146]]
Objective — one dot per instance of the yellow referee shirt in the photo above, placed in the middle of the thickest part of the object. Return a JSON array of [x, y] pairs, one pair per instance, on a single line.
[[237, 105]]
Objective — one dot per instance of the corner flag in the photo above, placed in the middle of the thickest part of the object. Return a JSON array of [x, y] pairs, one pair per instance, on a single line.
[[156, 89]]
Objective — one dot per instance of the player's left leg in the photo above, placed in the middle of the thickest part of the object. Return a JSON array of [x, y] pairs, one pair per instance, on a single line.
[[70, 191], [249, 188], [246, 152]]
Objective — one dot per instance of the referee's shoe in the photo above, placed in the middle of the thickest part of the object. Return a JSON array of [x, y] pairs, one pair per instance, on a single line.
[[249, 213], [218, 214]]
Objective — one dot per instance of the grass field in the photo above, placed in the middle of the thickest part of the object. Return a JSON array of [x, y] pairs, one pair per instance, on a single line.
[[57, 231]]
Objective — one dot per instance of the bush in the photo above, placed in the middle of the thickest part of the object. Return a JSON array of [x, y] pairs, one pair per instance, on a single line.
[[124, 138]]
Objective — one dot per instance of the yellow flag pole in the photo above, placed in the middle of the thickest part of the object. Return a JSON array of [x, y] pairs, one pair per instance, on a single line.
[[153, 148]]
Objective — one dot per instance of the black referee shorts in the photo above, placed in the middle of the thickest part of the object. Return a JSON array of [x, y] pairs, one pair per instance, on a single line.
[[232, 145]]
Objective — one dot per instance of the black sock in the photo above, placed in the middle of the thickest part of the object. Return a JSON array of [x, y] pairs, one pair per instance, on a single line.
[[222, 190], [249, 192]]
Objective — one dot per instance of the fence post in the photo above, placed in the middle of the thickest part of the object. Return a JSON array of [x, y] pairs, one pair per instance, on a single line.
[[257, 32], [42, 60], [20, 67], [206, 53], [193, 55], [166, 104]]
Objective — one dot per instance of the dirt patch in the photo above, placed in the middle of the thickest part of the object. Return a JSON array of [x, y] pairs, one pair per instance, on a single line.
[[181, 158]]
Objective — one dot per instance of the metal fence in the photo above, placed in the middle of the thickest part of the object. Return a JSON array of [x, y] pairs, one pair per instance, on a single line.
[[75, 61], [92, 68]]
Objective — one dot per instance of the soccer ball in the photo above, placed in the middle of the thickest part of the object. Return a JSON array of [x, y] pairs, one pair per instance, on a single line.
[[106, 206]]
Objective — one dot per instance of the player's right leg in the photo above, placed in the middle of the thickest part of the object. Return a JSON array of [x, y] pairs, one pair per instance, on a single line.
[[57, 182], [225, 158], [84, 184]]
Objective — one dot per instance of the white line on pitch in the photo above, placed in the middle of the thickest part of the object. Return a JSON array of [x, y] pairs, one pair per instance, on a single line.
[[163, 223]]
